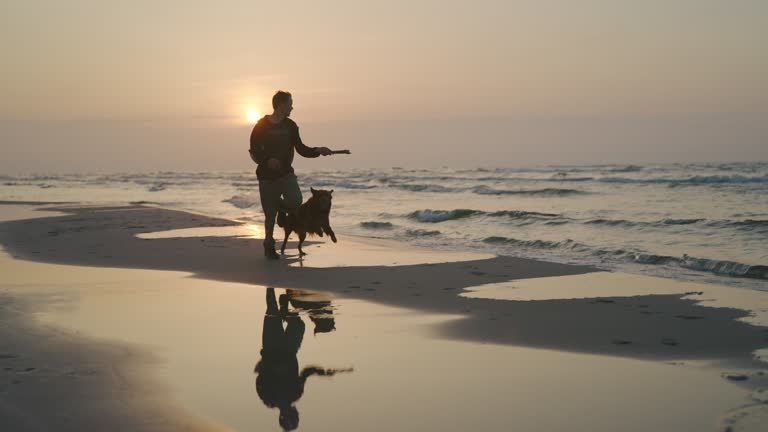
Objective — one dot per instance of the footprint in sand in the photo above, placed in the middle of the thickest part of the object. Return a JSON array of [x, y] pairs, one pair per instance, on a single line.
[[478, 273], [669, 342], [603, 301], [354, 286], [621, 342], [20, 371], [4, 356], [80, 372], [736, 377]]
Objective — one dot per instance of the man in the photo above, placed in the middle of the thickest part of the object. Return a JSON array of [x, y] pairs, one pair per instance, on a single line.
[[273, 141]]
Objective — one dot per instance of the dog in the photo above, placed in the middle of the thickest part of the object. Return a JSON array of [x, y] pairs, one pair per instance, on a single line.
[[311, 218]]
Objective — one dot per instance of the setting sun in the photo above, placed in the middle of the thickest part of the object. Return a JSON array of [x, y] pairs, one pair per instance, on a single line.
[[252, 116]]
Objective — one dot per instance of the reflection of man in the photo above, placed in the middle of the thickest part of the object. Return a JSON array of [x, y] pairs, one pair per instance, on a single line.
[[279, 383]]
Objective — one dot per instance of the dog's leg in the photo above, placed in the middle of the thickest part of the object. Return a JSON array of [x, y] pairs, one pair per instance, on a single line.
[[288, 232], [302, 236], [329, 231]]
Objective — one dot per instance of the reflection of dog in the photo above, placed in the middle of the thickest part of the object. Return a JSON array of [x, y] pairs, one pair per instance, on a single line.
[[316, 305], [311, 218]]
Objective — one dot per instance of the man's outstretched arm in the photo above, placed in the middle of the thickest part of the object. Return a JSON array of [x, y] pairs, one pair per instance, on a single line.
[[308, 152], [314, 370]]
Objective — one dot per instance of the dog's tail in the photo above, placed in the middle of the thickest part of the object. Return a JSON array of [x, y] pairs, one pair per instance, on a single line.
[[281, 216]]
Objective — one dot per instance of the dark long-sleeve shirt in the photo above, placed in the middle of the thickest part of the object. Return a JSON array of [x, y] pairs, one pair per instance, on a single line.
[[277, 140]]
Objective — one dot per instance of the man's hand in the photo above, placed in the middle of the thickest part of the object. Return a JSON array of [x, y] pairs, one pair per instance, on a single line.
[[323, 151], [273, 164]]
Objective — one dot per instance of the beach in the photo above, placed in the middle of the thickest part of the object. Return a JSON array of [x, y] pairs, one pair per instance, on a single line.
[[526, 216], [156, 319]]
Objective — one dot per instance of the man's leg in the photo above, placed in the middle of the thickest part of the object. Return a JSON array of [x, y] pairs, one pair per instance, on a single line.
[[269, 193], [291, 201], [294, 333], [291, 194]]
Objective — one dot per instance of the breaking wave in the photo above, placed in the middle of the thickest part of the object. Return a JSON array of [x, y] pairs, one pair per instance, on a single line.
[[758, 223], [717, 267], [424, 188], [694, 180], [631, 224], [242, 201], [485, 190], [538, 244], [671, 221], [157, 187], [434, 216], [340, 184], [754, 225], [377, 225], [628, 168], [422, 233]]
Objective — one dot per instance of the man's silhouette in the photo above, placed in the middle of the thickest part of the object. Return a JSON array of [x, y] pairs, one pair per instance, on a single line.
[[273, 141], [279, 382]]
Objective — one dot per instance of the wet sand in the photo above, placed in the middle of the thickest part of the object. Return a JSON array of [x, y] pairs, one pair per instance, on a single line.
[[430, 339]]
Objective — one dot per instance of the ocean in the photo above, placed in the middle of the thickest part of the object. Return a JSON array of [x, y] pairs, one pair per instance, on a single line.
[[696, 222]]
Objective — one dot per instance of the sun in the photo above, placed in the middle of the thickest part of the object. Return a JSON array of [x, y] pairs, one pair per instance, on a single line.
[[252, 116]]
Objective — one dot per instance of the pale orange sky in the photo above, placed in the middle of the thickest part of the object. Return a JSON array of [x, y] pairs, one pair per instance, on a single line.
[[95, 86]]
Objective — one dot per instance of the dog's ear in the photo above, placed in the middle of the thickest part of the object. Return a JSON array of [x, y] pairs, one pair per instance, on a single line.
[[331, 191], [312, 190]]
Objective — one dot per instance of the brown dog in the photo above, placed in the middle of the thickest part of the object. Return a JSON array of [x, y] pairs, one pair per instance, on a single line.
[[311, 218]]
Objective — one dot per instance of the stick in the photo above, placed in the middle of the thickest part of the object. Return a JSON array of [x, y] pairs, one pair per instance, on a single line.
[[340, 152]]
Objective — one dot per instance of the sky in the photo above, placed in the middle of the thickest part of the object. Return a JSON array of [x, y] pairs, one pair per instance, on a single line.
[[99, 86]]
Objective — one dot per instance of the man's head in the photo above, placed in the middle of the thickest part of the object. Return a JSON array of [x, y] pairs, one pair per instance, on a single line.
[[282, 103], [289, 418]]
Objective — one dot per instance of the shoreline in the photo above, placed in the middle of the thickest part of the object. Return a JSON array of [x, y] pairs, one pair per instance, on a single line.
[[85, 236], [663, 326]]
